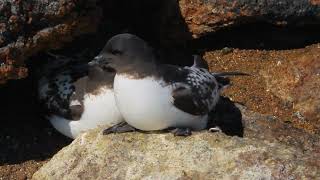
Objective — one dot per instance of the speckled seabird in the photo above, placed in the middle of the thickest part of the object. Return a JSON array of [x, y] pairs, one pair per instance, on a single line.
[[77, 97], [153, 96]]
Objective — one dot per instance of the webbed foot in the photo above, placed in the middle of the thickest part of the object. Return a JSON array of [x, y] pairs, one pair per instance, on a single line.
[[119, 128], [181, 132]]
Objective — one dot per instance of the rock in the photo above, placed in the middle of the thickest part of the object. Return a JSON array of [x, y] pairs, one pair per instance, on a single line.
[[283, 84], [205, 16], [27, 27], [297, 82], [177, 21], [261, 154], [269, 128], [236, 119], [158, 156]]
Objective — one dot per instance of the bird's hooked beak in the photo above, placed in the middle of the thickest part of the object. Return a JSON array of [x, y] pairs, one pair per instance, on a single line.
[[96, 61], [101, 63]]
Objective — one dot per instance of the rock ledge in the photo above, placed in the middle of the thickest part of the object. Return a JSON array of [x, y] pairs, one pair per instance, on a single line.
[[152, 156]]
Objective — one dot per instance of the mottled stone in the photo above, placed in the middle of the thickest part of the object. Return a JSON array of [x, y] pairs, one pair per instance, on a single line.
[[205, 16], [297, 81], [201, 156], [28, 27]]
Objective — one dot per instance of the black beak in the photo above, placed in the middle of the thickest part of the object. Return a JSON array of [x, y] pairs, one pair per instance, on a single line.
[[95, 61], [92, 63]]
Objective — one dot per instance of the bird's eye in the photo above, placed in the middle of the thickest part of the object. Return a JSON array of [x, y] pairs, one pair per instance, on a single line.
[[116, 52]]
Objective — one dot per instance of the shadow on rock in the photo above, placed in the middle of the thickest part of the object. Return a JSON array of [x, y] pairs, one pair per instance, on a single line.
[[227, 117], [160, 23], [261, 36], [24, 134]]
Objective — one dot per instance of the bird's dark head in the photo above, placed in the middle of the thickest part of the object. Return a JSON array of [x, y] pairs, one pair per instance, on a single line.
[[123, 50]]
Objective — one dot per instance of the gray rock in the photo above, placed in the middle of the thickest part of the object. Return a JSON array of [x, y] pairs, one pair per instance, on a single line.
[[162, 156]]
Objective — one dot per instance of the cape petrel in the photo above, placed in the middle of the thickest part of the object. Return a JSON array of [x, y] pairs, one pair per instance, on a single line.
[[153, 96], [77, 96]]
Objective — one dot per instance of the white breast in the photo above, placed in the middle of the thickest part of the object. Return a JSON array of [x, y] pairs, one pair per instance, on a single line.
[[98, 110], [146, 105]]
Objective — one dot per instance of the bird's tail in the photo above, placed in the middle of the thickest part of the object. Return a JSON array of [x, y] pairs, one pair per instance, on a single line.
[[199, 62], [223, 78]]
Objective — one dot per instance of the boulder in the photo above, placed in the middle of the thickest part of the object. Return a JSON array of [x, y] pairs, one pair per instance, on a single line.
[[260, 154], [28, 27], [297, 83], [284, 83], [206, 16]]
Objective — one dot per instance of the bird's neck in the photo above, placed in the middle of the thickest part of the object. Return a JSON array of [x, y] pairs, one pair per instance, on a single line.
[[99, 78], [137, 70]]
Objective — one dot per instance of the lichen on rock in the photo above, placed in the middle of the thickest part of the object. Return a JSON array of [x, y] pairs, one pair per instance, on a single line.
[[270, 149], [297, 82], [152, 156]]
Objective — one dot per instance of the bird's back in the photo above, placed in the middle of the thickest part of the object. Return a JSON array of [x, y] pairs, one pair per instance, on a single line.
[[195, 90], [57, 84]]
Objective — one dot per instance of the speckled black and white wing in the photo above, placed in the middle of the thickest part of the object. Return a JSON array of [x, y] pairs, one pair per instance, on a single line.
[[194, 90], [57, 91]]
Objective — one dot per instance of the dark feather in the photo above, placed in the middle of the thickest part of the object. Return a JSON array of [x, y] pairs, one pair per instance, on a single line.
[[233, 73], [184, 101], [199, 62], [194, 90], [57, 97], [60, 76], [62, 85], [223, 79]]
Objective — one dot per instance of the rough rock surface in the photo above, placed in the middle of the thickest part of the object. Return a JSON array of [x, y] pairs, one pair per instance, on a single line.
[[27, 27], [284, 83], [205, 16], [272, 129], [272, 154], [271, 148], [298, 83]]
